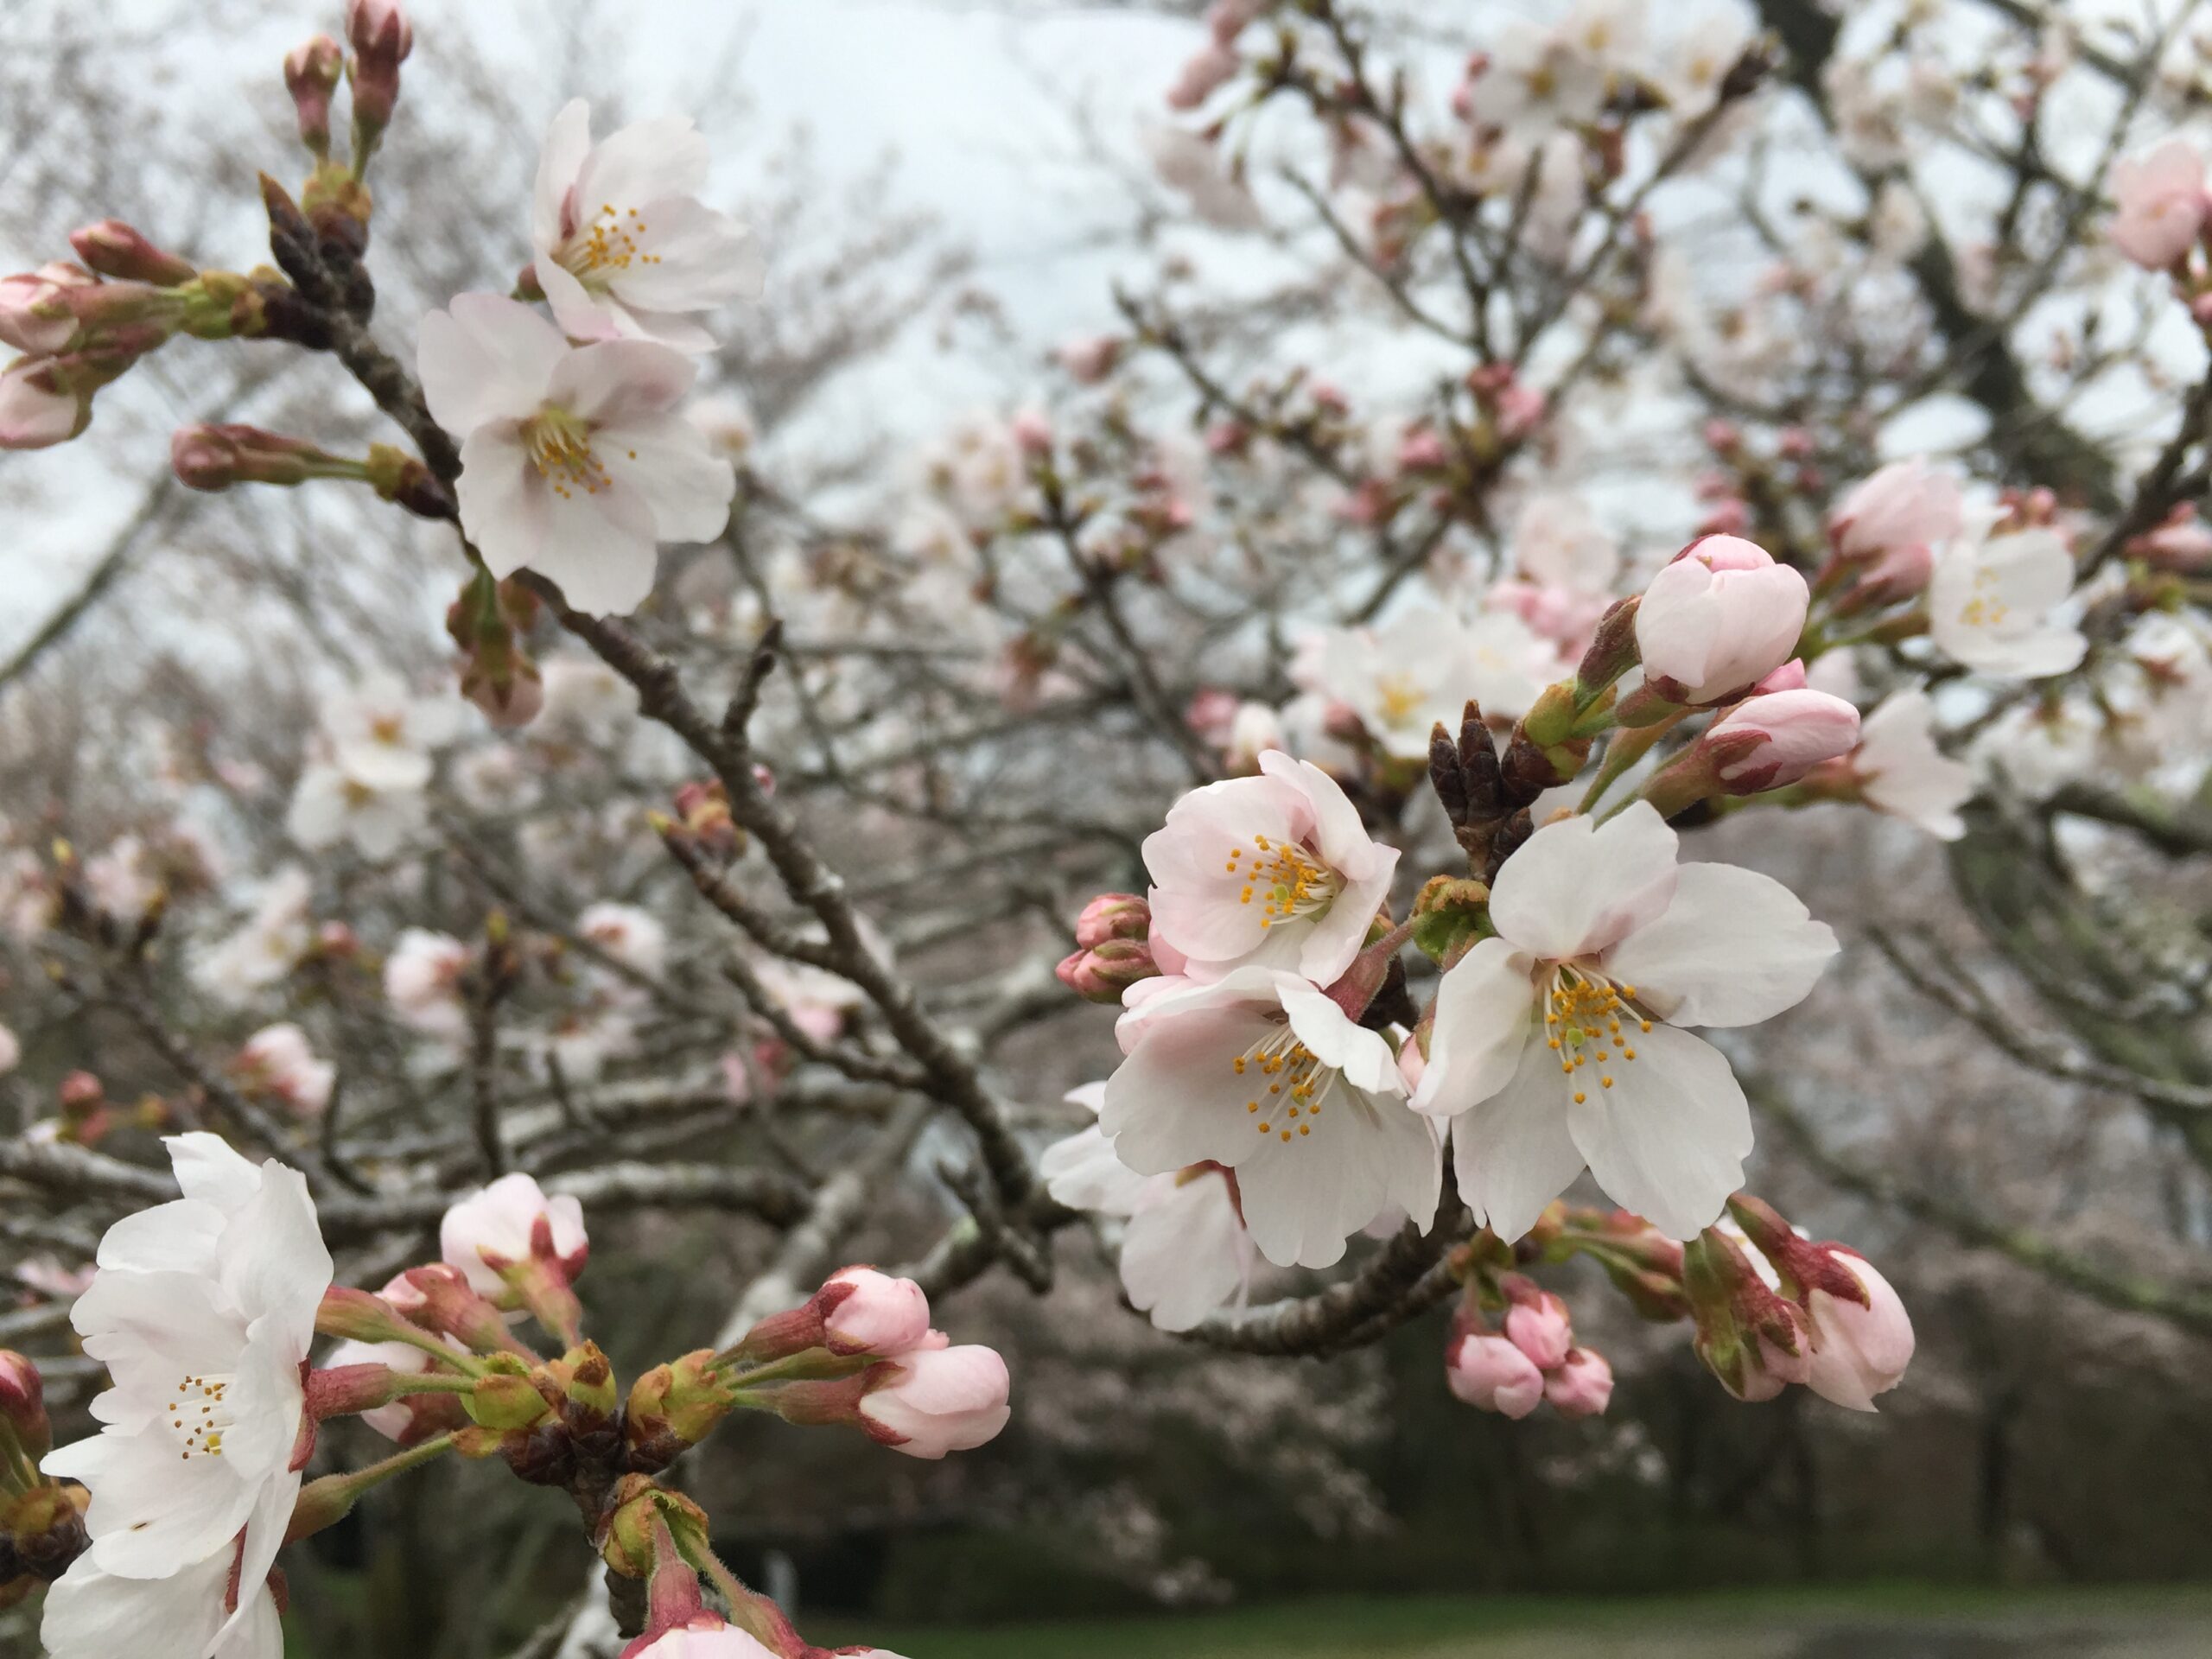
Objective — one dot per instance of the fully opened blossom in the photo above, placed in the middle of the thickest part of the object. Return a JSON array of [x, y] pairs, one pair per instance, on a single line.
[[1991, 605], [1275, 870], [1560, 1042], [202, 1310], [279, 1059], [1422, 666], [422, 981], [624, 246], [1184, 1251], [1262, 1073], [576, 461]]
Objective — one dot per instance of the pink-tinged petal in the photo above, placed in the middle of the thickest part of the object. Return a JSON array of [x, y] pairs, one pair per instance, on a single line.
[[690, 257], [1577, 887], [667, 460], [1335, 937], [598, 548], [1337, 833], [560, 160], [1084, 1172], [1733, 949], [1178, 1099], [1183, 1256], [582, 314], [670, 327], [617, 382], [665, 155], [265, 1536], [152, 1328], [504, 504], [488, 358], [1483, 1007], [1512, 1151], [1668, 1141], [1858, 1352]]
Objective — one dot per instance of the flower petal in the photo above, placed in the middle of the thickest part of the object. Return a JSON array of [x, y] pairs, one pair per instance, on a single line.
[[1733, 949], [486, 358], [1668, 1141], [1578, 885], [1512, 1150], [666, 459], [560, 160], [1484, 1005], [1183, 1256]]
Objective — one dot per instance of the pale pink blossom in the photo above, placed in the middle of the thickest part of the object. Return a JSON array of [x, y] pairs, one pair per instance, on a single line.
[[422, 981], [1561, 1041], [266, 948], [1208, 69], [1262, 1073], [704, 1635], [576, 461], [623, 247], [1275, 870], [1716, 618], [280, 1059], [632, 936], [1892, 524], [510, 1223], [36, 315], [35, 412], [1994, 605], [940, 1399], [1491, 1374], [2162, 205], [1423, 665]]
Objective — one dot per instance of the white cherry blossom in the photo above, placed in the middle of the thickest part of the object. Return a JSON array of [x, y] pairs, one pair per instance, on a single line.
[[624, 246], [1275, 870], [1992, 600], [1262, 1073], [1901, 771], [576, 461], [1560, 1042]]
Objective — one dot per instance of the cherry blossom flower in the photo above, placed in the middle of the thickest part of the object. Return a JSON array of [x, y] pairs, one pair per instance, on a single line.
[[280, 1059], [1191, 164], [1716, 618], [1560, 1041], [1422, 666], [203, 1311], [624, 246], [704, 1635], [1991, 605], [1262, 1073], [2163, 205], [1892, 524], [1537, 79], [422, 981], [936, 1399], [266, 949], [1854, 1350], [1581, 1385], [574, 460], [1274, 870], [1184, 1251], [510, 1223], [632, 936], [91, 1613], [1899, 770]]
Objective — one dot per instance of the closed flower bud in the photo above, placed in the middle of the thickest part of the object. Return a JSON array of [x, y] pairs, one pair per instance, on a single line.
[[381, 37], [864, 1311], [1103, 972], [22, 1404], [1767, 742], [1537, 1325], [115, 249], [1719, 618], [506, 1403], [35, 313], [1113, 916], [311, 76], [1581, 1385], [938, 1399], [1491, 1374], [1754, 1341]]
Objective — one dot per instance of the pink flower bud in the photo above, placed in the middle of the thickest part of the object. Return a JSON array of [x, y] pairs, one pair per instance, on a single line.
[[1227, 19], [1422, 451], [1033, 433], [311, 76], [1790, 676], [1491, 1374], [115, 249], [864, 1311], [1113, 916], [1715, 620], [1769, 742], [1539, 1327], [933, 1400], [1581, 1386], [1859, 1351], [215, 457], [1101, 972], [706, 1635], [1089, 361], [22, 1404], [35, 313], [381, 37]]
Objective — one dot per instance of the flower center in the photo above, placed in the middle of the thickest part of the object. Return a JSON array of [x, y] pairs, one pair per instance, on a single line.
[[1586, 1019], [1286, 878], [1289, 1084], [1402, 698], [1985, 609], [201, 1414], [608, 243], [559, 445]]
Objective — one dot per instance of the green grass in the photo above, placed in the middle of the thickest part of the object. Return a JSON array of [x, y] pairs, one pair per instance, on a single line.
[[2041, 1624]]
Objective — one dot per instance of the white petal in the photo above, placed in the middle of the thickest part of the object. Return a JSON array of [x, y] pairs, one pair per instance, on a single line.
[[1178, 1100], [1337, 1040], [1483, 1004], [1084, 1172], [487, 359], [1668, 1141], [92, 1614], [568, 140], [179, 1237], [667, 460], [153, 1510], [1734, 948], [1577, 886], [599, 549], [278, 1265], [1304, 1197], [209, 1169], [1512, 1151], [699, 258], [503, 502], [664, 157], [617, 382], [1183, 1257]]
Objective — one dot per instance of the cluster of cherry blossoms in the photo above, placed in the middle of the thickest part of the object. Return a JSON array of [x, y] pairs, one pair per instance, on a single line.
[[161, 1534]]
